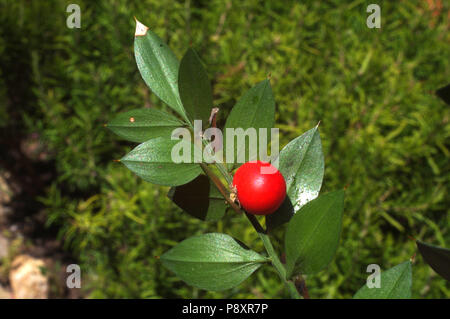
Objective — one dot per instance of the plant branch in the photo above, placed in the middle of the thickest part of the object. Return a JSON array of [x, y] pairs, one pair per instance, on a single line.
[[222, 189], [300, 284], [259, 229], [275, 260]]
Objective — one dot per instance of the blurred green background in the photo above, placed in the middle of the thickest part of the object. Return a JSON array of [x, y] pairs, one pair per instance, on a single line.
[[386, 136]]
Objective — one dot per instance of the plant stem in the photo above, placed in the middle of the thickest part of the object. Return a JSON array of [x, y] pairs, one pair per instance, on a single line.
[[300, 284], [222, 189], [259, 229], [273, 255], [224, 172]]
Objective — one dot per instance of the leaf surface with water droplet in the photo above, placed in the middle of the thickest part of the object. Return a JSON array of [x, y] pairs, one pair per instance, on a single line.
[[159, 66], [140, 125], [302, 165]]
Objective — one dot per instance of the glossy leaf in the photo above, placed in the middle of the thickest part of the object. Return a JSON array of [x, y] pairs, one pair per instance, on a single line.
[[199, 198], [312, 235], [302, 165], [395, 283], [212, 261], [153, 162], [195, 88], [437, 257], [256, 109], [141, 125], [158, 66]]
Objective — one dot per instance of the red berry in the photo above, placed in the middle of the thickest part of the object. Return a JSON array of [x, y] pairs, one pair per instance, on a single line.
[[261, 188]]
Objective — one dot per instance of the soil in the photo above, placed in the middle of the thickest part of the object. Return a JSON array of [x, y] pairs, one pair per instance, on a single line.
[[24, 175]]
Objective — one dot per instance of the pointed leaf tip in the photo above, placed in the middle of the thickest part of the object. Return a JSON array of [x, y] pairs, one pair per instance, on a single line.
[[438, 258], [141, 29], [302, 165], [394, 283]]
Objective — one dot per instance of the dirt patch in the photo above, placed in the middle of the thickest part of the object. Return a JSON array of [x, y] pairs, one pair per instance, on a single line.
[[24, 175]]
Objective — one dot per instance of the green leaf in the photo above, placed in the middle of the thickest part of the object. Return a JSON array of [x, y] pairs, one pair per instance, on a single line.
[[312, 235], [195, 88], [395, 283], [141, 125], [212, 261], [256, 109], [199, 198], [158, 66], [437, 257], [153, 162], [302, 165]]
